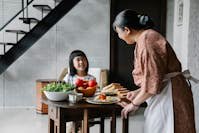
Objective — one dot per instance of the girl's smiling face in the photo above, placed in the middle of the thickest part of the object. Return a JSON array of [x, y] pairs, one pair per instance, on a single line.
[[80, 63]]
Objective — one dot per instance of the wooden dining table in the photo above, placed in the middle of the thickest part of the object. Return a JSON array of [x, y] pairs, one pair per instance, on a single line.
[[61, 112]]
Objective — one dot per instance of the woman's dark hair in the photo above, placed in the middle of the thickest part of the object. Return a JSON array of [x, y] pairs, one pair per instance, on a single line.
[[74, 54], [131, 19]]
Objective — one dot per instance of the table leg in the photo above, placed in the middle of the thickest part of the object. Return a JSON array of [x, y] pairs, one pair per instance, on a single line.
[[50, 125], [60, 127], [56, 122], [102, 125], [125, 125], [85, 122], [113, 122]]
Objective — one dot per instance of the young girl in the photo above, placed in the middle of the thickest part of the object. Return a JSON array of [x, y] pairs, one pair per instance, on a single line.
[[79, 65], [78, 69]]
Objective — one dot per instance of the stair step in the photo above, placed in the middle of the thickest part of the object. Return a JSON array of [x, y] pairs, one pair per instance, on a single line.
[[57, 0], [7, 43], [29, 20], [4, 46], [45, 8], [17, 31]]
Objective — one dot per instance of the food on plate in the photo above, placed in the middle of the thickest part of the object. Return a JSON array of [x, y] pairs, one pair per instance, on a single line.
[[104, 98], [110, 93], [115, 89], [122, 93], [111, 87]]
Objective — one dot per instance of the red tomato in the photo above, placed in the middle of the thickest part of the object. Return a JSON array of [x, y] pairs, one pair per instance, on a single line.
[[85, 84], [79, 82], [102, 96], [92, 83]]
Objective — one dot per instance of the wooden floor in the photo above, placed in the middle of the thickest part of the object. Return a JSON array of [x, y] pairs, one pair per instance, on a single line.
[[21, 120]]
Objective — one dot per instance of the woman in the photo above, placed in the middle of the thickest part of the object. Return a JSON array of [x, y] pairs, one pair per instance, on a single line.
[[157, 72]]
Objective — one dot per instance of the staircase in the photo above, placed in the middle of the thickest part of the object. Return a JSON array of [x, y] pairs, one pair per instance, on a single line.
[[40, 28]]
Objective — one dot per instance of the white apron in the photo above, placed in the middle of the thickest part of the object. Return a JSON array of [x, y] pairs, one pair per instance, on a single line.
[[159, 116]]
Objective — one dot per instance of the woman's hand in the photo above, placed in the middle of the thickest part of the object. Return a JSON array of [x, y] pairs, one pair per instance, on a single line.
[[131, 95], [128, 108], [122, 104]]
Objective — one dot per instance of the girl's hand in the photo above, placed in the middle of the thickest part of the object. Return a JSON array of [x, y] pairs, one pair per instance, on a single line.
[[131, 95], [128, 108]]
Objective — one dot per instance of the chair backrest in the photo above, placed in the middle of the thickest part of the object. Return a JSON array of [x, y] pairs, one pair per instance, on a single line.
[[101, 75], [63, 74]]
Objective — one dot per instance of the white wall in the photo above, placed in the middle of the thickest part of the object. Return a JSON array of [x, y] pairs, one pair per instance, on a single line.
[[185, 39], [193, 53], [169, 21], [180, 36], [85, 27]]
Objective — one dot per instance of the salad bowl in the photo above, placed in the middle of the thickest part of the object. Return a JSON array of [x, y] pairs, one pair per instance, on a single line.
[[57, 91]]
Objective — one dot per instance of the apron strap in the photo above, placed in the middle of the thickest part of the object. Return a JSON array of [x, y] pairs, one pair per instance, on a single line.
[[185, 73], [188, 76]]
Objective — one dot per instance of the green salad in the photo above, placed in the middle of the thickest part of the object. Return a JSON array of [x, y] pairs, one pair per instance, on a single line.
[[58, 87]]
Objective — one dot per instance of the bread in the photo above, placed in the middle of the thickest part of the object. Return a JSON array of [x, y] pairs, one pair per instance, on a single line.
[[122, 93], [116, 88], [111, 87]]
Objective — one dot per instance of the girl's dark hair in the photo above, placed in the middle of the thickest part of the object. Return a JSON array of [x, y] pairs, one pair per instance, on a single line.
[[74, 54], [131, 19]]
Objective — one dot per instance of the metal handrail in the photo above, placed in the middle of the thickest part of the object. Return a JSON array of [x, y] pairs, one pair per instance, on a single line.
[[16, 14]]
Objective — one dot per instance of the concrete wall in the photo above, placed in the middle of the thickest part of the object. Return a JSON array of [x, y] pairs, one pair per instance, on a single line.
[[8, 8], [185, 39], [193, 49], [170, 20], [180, 34], [86, 27], [6, 14], [1, 91]]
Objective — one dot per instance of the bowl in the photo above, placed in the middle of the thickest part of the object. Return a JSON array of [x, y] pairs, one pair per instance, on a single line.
[[56, 96], [87, 92]]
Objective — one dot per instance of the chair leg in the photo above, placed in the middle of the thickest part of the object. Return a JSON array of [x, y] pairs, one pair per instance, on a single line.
[[78, 126], [82, 129], [100, 122]]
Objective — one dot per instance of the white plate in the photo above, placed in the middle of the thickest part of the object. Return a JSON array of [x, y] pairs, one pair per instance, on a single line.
[[112, 101]]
